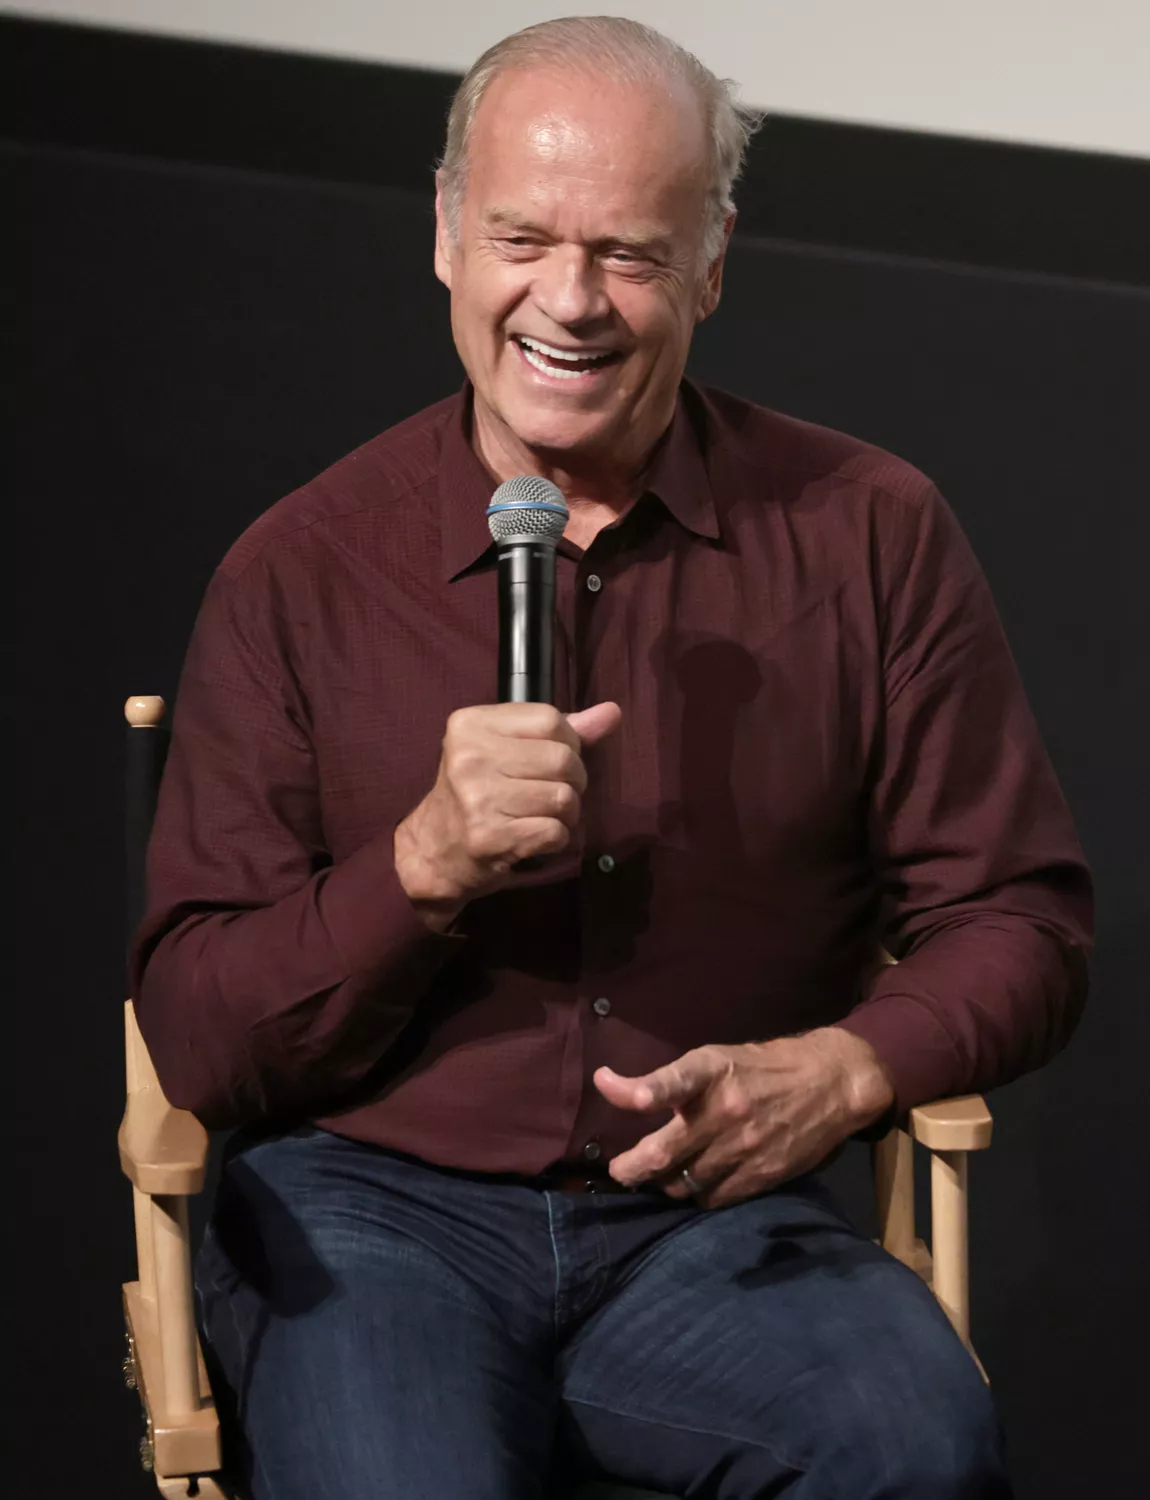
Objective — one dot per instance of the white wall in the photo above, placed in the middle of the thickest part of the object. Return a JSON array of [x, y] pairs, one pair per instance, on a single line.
[[1058, 72]]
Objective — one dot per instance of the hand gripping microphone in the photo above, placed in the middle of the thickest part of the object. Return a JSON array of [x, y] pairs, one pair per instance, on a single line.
[[526, 517]]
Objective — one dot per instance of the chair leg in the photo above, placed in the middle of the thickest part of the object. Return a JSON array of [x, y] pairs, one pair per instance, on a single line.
[[893, 1162], [949, 1237], [894, 1189], [180, 1489], [173, 1271]]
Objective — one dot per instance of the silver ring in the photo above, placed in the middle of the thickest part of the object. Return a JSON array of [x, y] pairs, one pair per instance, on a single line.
[[691, 1185]]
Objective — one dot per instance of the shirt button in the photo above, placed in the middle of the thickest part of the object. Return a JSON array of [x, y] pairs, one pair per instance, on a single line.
[[606, 863], [592, 1151], [594, 582], [602, 1006]]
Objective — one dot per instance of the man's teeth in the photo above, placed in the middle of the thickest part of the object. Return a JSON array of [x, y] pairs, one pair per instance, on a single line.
[[554, 353], [533, 349]]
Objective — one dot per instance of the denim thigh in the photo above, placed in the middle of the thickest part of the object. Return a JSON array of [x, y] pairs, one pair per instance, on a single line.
[[376, 1329], [768, 1348], [378, 1326]]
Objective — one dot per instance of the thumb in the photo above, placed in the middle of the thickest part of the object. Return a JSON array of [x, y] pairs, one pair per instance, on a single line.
[[596, 723]]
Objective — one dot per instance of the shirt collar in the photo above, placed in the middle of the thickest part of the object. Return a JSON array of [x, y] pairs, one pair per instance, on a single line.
[[678, 473], [678, 476]]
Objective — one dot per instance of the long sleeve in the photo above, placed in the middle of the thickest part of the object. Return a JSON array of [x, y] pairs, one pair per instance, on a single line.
[[268, 979], [989, 903]]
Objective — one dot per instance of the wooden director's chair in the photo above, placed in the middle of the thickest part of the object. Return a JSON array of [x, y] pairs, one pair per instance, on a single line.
[[164, 1152]]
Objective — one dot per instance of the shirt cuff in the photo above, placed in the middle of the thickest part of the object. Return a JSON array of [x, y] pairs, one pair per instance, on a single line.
[[371, 919], [917, 1051]]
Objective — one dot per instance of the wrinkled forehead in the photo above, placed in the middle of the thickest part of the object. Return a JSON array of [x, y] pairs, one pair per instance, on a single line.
[[643, 141]]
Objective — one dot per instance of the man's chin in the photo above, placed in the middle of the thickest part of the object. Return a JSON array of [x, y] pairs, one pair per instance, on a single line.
[[559, 432]]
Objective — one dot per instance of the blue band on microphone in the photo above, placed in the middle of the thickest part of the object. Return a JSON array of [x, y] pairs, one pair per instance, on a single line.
[[558, 510]]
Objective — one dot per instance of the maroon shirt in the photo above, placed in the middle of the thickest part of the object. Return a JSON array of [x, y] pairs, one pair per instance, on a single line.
[[824, 744]]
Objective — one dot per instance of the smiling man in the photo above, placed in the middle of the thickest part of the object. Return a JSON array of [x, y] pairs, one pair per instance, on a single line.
[[526, 1179], [579, 267]]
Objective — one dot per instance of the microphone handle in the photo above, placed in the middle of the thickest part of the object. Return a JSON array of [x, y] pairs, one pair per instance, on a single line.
[[527, 621], [527, 631]]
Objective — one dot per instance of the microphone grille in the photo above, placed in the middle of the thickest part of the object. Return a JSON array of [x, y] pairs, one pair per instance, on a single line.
[[527, 506]]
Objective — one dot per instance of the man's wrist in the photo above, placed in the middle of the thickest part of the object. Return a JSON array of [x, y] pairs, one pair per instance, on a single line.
[[868, 1092], [437, 903]]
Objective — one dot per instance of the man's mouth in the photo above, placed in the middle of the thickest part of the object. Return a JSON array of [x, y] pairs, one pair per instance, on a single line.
[[564, 364]]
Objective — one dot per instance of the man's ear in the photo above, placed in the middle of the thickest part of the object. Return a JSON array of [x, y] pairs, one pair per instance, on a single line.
[[713, 282], [444, 245]]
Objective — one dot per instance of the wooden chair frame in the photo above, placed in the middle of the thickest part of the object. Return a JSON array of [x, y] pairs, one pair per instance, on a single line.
[[164, 1153]]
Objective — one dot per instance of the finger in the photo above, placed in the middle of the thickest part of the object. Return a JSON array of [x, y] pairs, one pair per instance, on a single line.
[[524, 838], [688, 1076], [539, 799], [594, 724], [718, 1159], [663, 1153], [537, 836], [542, 760], [527, 721], [624, 1093], [673, 1084], [714, 1191], [697, 1136]]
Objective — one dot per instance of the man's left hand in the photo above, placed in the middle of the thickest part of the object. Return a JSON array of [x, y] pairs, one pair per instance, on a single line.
[[749, 1117]]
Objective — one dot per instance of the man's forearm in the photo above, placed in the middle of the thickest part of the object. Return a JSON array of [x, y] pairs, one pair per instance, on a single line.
[[977, 1003], [254, 1013]]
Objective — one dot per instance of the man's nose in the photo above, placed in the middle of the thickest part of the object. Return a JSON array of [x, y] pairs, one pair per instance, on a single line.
[[569, 287]]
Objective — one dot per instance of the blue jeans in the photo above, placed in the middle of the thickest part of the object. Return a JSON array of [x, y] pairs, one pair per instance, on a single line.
[[381, 1328]]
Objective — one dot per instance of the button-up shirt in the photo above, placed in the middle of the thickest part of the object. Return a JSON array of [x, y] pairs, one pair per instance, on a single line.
[[824, 745]]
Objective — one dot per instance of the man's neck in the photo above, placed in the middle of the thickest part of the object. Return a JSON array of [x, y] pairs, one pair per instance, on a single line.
[[598, 492]]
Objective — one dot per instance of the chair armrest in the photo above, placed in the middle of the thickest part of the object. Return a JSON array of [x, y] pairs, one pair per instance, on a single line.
[[162, 1149], [962, 1124]]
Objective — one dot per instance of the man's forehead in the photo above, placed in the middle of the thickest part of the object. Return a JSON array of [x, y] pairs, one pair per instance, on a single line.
[[560, 112]]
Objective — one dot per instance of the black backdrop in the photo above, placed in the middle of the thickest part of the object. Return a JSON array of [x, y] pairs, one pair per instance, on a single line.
[[224, 283]]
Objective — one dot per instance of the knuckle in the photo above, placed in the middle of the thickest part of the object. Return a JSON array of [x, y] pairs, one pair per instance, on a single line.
[[472, 797], [462, 761], [722, 1058], [547, 718], [736, 1106], [458, 723], [484, 842], [557, 838], [567, 801], [711, 1059], [561, 760]]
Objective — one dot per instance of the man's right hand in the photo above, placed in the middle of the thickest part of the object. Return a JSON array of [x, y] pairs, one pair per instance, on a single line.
[[510, 786]]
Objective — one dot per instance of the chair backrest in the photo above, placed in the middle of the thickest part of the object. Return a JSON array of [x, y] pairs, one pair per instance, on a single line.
[[145, 753]]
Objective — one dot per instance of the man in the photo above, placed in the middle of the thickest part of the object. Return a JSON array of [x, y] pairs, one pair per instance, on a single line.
[[525, 1182]]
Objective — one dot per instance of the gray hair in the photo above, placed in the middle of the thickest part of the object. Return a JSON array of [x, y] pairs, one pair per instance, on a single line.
[[627, 51]]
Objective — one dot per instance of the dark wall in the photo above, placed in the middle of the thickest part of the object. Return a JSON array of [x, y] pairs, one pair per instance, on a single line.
[[224, 282]]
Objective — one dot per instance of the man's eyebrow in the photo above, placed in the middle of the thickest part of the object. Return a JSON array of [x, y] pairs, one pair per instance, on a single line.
[[644, 239], [507, 218], [653, 239]]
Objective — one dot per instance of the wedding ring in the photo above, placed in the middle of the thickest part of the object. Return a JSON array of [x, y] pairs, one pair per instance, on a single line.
[[691, 1185]]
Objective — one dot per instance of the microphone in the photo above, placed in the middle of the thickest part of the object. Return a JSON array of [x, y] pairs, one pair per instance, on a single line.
[[526, 518]]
